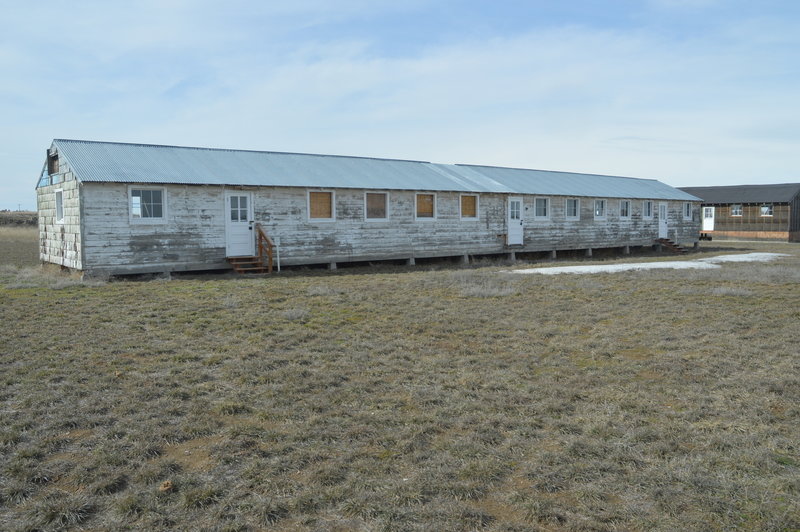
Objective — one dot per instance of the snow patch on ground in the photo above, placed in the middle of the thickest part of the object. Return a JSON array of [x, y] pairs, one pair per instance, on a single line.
[[699, 264], [747, 257]]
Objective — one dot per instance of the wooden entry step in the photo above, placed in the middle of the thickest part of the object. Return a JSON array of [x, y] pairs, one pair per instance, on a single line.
[[248, 265], [672, 246]]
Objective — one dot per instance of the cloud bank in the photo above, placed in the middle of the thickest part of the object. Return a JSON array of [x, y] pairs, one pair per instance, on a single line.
[[649, 92]]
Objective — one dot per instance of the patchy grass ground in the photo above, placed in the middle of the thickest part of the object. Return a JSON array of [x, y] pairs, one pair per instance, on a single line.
[[404, 399]]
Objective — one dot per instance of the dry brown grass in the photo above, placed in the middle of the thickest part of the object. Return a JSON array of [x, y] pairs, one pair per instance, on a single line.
[[19, 218], [403, 399], [18, 245]]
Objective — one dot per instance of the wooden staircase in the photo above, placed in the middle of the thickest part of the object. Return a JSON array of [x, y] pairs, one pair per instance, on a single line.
[[248, 265], [672, 246], [260, 263]]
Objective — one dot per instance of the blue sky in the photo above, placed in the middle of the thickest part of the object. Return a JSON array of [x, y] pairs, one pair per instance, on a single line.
[[690, 92]]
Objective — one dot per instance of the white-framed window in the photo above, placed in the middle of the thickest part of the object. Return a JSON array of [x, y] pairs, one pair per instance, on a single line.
[[541, 208], [321, 205], [625, 209], [425, 206], [599, 209], [59, 206], [736, 209], [647, 210], [468, 206], [766, 209], [147, 205], [376, 206], [573, 209], [687, 211]]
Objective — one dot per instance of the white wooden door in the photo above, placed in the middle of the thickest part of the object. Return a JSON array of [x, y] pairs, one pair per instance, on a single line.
[[708, 218], [515, 235], [239, 239], [663, 224]]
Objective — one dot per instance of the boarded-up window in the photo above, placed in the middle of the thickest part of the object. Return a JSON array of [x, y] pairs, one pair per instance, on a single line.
[[426, 205], [320, 205], [377, 207], [469, 206], [52, 163]]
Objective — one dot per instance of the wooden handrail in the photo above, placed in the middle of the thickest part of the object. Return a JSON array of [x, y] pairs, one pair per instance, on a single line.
[[265, 246]]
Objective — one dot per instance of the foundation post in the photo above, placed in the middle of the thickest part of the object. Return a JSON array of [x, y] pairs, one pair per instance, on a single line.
[[553, 255], [410, 261], [589, 252], [512, 255], [626, 250], [332, 266]]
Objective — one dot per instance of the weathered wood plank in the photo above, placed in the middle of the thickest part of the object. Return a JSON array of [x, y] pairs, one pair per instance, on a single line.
[[194, 229]]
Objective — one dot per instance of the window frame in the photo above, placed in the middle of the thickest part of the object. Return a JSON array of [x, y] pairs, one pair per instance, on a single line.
[[416, 211], [149, 220], [386, 206], [577, 215], [59, 206], [333, 205], [53, 164], [647, 205], [627, 203], [770, 210], [687, 210], [536, 215], [604, 214], [737, 207], [461, 207]]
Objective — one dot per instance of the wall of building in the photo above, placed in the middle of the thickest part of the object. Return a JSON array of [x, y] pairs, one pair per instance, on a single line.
[[794, 219], [192, 235], [751, 224], [283, 213], [60, 240]]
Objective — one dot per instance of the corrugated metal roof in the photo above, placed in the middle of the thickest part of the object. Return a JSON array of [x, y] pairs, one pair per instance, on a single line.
[[139, 163], [552, 183], [779, 193]]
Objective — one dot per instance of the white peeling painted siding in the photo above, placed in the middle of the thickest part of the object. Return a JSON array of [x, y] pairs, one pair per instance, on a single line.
[[193, 236]]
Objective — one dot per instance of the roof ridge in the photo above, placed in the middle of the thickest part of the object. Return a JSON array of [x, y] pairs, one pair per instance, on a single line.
[[145, 145]]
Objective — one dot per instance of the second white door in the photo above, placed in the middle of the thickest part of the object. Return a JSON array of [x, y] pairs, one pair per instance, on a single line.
[[239, 240], [515, 235], [663, 224]]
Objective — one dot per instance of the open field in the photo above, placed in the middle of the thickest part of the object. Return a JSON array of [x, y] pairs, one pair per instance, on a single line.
[[25, 218], [18, 245], [404, 399]]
